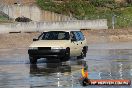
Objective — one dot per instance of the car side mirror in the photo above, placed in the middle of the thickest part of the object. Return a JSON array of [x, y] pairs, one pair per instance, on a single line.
[[35, 39]]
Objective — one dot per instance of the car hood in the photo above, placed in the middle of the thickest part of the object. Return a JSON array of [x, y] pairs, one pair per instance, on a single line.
[[50, 43]]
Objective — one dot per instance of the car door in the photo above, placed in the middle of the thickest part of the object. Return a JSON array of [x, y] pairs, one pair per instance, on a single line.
[[74, 45]]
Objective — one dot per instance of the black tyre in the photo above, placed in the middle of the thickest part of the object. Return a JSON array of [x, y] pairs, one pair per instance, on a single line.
[[83, 54], [32, 60], [67, 55], [85, 49]]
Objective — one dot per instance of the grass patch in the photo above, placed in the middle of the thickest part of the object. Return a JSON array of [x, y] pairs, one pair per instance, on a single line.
[[4, 19]]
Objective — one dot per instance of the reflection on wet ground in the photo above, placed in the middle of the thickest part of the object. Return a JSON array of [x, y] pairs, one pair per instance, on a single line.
[[50, 68], [16, 72]]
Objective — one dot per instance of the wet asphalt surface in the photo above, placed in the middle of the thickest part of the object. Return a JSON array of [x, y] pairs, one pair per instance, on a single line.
[[103, 63]]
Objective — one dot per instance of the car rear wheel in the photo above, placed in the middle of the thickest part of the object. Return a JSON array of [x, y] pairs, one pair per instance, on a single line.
[[32, 60]]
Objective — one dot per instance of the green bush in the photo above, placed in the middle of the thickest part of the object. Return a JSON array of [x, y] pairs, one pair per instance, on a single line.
[[46, 4], [101, 3], [80, 9], [94, 9], [76, 8]]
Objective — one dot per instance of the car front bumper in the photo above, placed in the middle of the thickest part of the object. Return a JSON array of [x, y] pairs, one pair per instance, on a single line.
[[47, 53]]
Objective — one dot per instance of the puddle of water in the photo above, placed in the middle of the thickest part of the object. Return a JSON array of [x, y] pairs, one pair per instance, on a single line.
[[16, 72]]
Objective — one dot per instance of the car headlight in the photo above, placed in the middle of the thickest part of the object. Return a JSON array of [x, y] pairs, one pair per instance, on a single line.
[[56, 47], [33, 47]]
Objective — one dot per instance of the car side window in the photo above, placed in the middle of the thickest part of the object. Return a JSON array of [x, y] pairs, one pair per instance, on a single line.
[[78, 35]]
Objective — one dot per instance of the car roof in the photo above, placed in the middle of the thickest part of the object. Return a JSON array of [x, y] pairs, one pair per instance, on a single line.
[[66, 30]]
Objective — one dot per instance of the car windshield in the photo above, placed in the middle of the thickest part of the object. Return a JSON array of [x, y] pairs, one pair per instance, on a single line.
[[56, 35]]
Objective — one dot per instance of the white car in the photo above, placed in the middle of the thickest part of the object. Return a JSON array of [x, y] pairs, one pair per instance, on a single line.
[[60, 44]]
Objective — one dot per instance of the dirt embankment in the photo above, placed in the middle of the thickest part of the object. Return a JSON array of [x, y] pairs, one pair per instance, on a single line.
[[23, 40], [11, 2], [109, 35], [16, 40]]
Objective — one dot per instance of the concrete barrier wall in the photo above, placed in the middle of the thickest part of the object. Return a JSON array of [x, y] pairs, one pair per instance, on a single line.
[[33, 12], [41, 26]]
